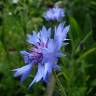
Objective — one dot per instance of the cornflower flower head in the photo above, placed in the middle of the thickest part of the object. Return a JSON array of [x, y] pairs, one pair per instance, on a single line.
[[53, 14], [45, 53]]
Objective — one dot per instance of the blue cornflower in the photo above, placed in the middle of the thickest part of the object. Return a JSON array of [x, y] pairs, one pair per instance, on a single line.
[[45, 53], [54, 14]]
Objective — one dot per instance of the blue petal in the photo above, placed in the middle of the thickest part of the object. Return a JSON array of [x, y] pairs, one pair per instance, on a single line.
[[51, 45], [47, 71], [23, 71], [60, 34], [60, 54], [39, 74], [56, 67], [33, 39], [24, 52], [45, 34], [51, 53], [26, 56]]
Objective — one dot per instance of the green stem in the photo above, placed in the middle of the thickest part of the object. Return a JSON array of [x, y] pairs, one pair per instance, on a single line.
[[50, 86]]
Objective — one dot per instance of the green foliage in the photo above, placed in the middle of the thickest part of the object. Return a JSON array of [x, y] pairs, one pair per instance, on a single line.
[[78, 67]]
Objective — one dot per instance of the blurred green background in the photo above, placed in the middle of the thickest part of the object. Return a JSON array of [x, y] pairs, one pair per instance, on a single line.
[[78, 67]]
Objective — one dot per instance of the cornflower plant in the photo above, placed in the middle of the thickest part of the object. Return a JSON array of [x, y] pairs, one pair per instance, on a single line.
[[45, 51]]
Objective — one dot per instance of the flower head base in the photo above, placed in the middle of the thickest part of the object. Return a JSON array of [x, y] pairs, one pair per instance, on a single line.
[[54, 14], [45, 53]]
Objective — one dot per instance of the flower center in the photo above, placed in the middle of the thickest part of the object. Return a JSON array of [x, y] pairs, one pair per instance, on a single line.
[[37, 57]]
